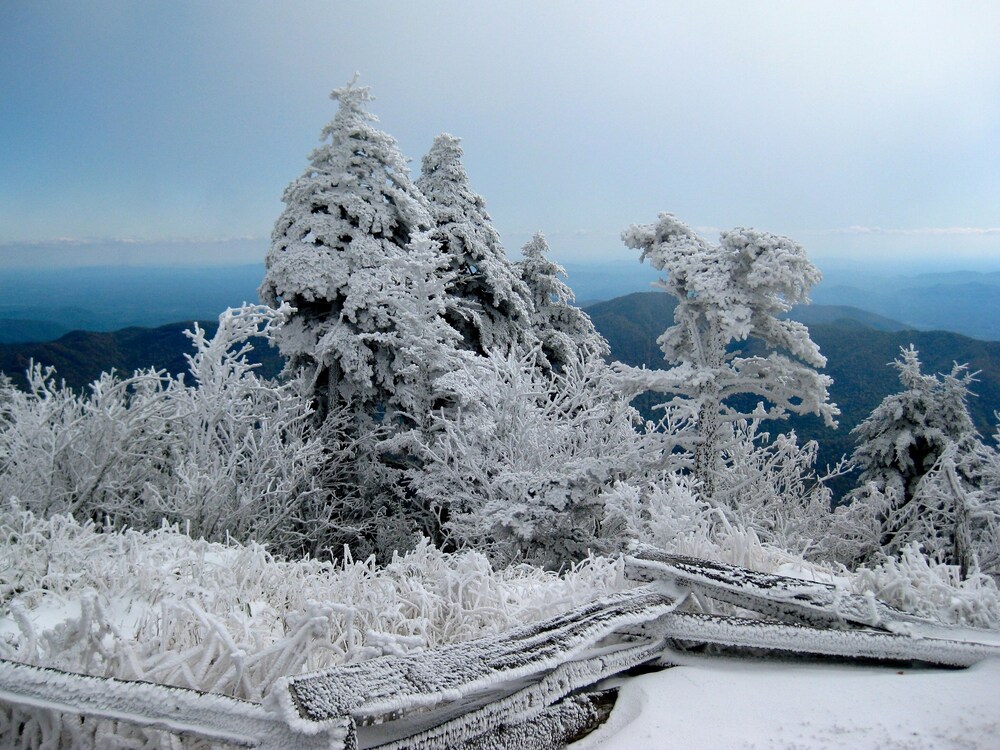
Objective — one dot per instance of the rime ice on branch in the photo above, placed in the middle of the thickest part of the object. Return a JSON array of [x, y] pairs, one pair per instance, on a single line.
[[566, 332]]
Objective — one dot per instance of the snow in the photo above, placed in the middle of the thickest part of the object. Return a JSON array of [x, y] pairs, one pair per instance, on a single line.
[[739, 704]]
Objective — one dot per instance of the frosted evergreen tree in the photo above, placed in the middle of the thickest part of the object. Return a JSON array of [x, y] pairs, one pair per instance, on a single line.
[[920, 456], [419, 344], [566, 332], [488, 302], [347, 222], [726, 294]]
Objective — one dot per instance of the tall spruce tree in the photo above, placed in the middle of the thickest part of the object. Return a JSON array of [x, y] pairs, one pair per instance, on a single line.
[[347, 223], [566, 333], [487, 301]]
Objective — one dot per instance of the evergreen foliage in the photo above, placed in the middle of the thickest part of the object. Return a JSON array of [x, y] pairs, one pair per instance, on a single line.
[[565, 331], [347, 224], [487, 301], [926, 477], [910, 431]]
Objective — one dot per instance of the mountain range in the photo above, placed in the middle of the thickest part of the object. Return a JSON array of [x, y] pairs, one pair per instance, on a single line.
[[859, 345], [41, 304], [961, 301]]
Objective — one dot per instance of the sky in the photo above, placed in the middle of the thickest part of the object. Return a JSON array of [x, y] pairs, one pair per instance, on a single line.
[[169, 129]]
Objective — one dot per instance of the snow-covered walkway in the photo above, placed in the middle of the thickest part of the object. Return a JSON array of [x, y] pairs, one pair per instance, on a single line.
[[732, 704]]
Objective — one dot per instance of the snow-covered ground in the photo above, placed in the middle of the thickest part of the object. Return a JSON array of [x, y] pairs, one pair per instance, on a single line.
[[232, 619], [738, 705]]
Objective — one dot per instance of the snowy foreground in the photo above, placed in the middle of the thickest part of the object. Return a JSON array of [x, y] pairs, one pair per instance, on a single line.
[[166, 609], [733, 704]]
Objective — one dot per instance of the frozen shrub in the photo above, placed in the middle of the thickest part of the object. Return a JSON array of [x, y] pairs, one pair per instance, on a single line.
[[222, 451], [914, 583], [520, 467]]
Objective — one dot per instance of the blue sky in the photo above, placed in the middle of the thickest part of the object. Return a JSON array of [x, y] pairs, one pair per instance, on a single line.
[[862, 130]]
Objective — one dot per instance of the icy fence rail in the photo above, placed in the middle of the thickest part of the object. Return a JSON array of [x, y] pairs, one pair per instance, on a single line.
[[786, 599], [177, 710], [536, 686]]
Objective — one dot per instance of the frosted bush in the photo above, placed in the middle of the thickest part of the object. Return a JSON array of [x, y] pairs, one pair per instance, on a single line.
[[670, 515], [915, 583], [770, 485], [221, 451], [520, 467]]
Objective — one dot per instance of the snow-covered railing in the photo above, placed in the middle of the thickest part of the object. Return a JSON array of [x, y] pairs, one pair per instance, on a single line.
[[791, 600], [811, 617], [455, 694], [787, 599], [533, 686], [177, 710]]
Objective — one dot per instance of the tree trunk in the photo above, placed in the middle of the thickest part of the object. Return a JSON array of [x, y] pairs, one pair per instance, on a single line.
[[707, 453]]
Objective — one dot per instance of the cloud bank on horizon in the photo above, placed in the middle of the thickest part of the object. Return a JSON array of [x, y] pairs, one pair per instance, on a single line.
[[855, 128]]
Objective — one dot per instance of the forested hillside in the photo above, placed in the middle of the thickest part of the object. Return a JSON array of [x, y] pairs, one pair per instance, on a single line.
[[80, 357]]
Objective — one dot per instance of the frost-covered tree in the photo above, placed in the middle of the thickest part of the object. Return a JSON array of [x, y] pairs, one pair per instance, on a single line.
[[909, 431], [487, 301], [521, 469], [565, 331], [415, 343], [726, 294], [950, 521], [346, 225], [920, 456]]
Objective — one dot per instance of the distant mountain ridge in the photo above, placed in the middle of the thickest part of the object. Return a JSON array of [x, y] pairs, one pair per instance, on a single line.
[[43, 303], [16, 330], [113, 298], [628, 322], [79, 357], [966, 302], [844, 315]]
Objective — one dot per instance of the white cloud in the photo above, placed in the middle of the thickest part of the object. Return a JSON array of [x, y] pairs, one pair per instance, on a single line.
[[921, 231]]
